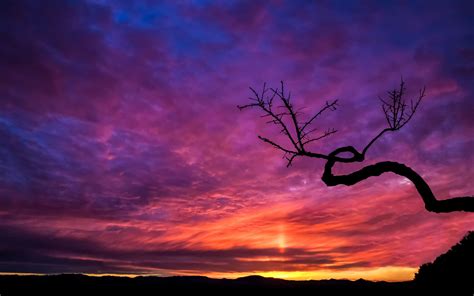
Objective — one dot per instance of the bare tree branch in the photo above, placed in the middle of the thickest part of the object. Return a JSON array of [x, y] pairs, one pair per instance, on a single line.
[[265, 103], [397, 114], [326, 133], [395, 107], [299, 137], [395, 111], [329, 106], [276, 145], [291, 113]]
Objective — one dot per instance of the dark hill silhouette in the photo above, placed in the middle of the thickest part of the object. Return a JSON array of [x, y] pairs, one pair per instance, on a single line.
[[450, 274], [77, 284]]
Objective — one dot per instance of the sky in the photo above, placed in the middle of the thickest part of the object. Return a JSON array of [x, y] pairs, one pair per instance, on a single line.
[[122, 150]]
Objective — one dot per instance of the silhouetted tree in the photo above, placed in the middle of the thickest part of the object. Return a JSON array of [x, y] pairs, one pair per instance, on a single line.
[[452, 269], [278, 108]]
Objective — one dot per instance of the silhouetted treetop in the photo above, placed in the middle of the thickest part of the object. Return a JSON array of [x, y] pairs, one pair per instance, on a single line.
[[453, 268]]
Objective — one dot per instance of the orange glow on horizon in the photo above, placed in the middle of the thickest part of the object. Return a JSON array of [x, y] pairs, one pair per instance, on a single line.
[[388, 273]]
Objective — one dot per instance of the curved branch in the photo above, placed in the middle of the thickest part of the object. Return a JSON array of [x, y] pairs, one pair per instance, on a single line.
[[464, 203], [397, 113], [375, 139]]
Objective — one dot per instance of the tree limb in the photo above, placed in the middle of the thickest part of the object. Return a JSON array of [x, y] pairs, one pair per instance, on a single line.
[[397, 114], [266, 104], [464, 203]]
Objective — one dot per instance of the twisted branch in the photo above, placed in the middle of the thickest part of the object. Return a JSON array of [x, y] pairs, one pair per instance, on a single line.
[[397, 114]]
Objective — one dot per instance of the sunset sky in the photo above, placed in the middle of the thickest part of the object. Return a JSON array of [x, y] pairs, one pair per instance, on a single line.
[[122, 150]]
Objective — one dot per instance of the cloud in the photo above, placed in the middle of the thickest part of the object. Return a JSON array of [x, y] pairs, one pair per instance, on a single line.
[[122, 150], [54, 253]]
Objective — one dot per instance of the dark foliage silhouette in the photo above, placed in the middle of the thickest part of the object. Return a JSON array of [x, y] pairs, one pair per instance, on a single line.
[[277, 106], [453, 269]]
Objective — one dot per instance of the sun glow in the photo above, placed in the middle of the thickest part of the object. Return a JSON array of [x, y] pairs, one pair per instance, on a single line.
[[281, 239]]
